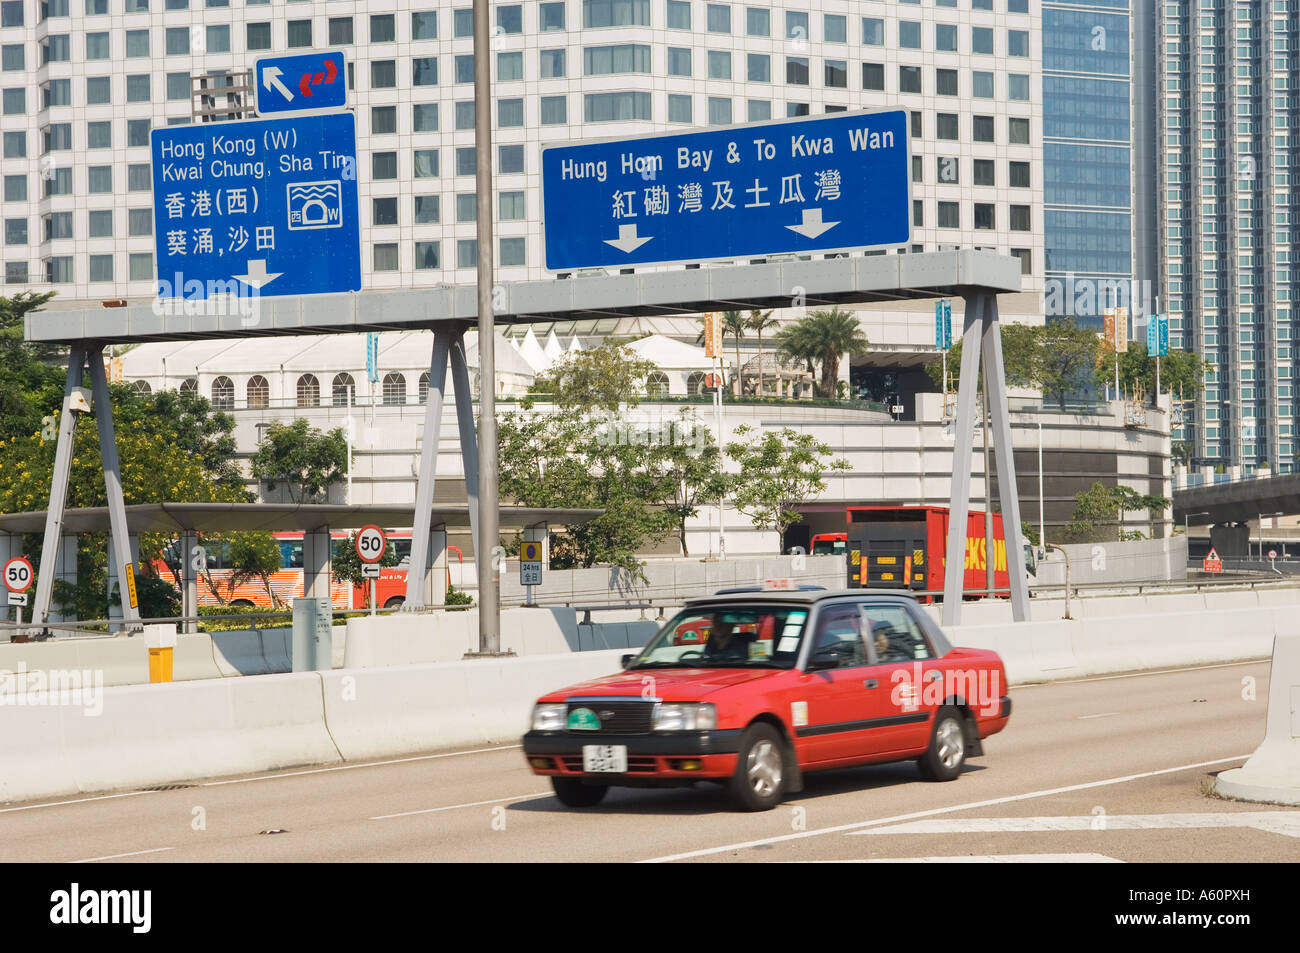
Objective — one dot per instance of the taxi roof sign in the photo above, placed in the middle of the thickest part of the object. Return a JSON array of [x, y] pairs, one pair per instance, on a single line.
[[779, 585]]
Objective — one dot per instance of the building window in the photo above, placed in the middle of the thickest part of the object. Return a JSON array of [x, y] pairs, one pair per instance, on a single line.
[[554, 110], [627, 58], [1018, 131], [510, 113], [383, 165], [424, 25], [873, 31], [512, 252], [422, 387], [100, 222], [383, 120], [795, 109], [985, 215], [13, 57], [223, 394], [1017, 42], [343, 388], [99, 135], [428, 256], [340, 31], [510, 19], [466, 207], [394, 386], [948, 215], [981, 85], [177, 41], [424, 71], [258, 392], [719, 64], [383, 27], [679, 108], [15, 231], [465, 114], [424, 117], [99, 179], [947, 170], [178, 86], [384, 210], [982, 128], [15, 144], [945, 82], [758, 22], [918, 212], [425, 163], [15, 101], [465, 68], [427, 209], [466, 160], [15, 188], [462, 23], [679, 14], [873, 76], [16, 272], [218, 39], [510, 159], [909, 34], [511, 206], [1020, 218], [984, 172], [796, 25], [550, 17], [612, 107], [383, 74], [837, 74], [656, 385], [1019, 175], [11, 13], [139, 221], [909, 79], [981, 40], [599, 13], [137, 43], [139, 178], [1026, 257], [717, 18], [97, 46], [510, 67], [140, 266], [758, 110], [796, 70], [758, 67], [467, 253], [552, 64], [834, 28], [719, 111], [1018, 87], [57, 92], [299, 34], [945, 37], [679, 61], [308, 391]]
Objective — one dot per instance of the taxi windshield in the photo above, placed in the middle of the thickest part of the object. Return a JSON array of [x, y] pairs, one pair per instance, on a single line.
[[734, 636]]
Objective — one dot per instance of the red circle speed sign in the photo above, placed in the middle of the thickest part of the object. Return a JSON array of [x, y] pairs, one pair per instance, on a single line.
[[371, 544], [18, 574]]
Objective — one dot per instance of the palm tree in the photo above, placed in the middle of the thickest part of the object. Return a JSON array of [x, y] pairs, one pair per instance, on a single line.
[[735, 325], [760, 321], [822, 337]]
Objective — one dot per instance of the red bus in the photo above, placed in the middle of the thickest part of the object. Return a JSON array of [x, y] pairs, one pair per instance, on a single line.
[[830, 544], [216, 588], [904, 547]]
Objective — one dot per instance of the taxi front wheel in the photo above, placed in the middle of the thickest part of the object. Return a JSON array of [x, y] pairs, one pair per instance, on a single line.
[[573, 793], [947, 753], [759, 781]]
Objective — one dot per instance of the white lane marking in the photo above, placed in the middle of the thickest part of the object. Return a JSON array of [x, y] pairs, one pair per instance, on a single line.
[[453, 807], [1277, 822], [364, 764], [134, 853], [982, 859], [1163, 671], [80, 800], [1105, 714], [704, 852]]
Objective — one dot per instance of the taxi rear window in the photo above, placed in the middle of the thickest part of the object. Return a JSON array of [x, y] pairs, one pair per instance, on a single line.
[[727, 636]]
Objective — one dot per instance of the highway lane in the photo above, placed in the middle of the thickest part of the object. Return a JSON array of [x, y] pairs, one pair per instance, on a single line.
[[1095, 749]]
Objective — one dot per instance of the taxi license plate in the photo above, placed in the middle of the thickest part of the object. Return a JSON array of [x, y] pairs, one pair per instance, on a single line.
[[604, 759]]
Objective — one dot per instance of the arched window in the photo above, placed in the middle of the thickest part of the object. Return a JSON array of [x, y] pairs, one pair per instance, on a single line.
[[223, 394], [394, 388], [424, 386], [259, 392], [190, 385], [344, 388], [695, 383], [142, 388], [656, 385], [308, 391]]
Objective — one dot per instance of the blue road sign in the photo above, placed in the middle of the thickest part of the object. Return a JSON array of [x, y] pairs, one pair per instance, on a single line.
[[821, 184], [1158, 335], [265, 207], [297, 83], [943, 324]]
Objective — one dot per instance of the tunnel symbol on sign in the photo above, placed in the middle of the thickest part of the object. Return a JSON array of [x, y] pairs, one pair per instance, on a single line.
[[315, 204]]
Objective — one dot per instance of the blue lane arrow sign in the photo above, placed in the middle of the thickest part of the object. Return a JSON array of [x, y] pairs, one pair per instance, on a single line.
[[830, 183], [309, 81]]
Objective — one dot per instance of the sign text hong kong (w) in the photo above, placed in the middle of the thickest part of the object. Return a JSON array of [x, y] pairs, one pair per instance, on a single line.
[[262, 207], [826, 184]]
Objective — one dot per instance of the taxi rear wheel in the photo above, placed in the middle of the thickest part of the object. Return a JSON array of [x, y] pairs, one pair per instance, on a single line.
[[573, 793], [759, 781], [947, 753]]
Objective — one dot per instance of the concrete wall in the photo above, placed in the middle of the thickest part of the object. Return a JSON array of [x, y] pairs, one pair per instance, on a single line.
[[1145, 560]]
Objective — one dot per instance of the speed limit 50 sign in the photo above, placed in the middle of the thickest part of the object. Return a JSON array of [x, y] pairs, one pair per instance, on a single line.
[[18, 574], [371, 543]]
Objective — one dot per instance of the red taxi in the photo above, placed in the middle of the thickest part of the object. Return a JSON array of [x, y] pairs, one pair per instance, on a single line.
[[753, 690]]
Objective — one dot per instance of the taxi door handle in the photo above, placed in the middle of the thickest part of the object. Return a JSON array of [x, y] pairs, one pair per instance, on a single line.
[[869, 683]]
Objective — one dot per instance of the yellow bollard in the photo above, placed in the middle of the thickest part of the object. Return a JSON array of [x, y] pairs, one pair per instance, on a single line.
[[160, 640]]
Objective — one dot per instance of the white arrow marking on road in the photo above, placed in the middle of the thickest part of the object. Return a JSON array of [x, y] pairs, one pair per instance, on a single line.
[[812, 224], [257, 275], [627, 240], [271, 79]]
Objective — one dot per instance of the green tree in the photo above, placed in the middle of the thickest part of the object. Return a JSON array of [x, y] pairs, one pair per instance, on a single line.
[[1021, 344], [735, 324], [1099, 513], [31, 382], [602, 378], [823, 337], [1067, 358], [254, 556], [345, 564], [302, 458], [779, 469], [759, 322], [1182, 373], [690, 463], [187, 416]]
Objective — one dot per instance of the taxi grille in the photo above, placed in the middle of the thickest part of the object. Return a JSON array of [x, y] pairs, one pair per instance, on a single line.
[[635, 765], [629, 718]]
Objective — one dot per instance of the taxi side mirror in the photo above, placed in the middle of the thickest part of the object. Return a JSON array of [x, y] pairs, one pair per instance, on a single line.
[[627, 660], [824, 659]]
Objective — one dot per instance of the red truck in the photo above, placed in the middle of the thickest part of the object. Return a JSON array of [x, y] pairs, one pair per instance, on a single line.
[[904, 547]]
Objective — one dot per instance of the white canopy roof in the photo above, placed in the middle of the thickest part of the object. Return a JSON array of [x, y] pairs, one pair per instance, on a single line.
[[669, 354]]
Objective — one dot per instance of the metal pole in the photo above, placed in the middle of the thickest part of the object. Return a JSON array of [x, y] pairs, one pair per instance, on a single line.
[[717, 426], [489, 581], [1042, 525], [422, 529], [468, 439], [989, 543], [113, 482], [954, 571]]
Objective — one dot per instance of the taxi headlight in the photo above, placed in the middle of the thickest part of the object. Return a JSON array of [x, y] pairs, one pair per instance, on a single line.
[[685, 717], [548, 717]]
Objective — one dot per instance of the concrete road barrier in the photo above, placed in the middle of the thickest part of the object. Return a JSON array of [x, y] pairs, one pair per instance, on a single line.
[[1272, 774]]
